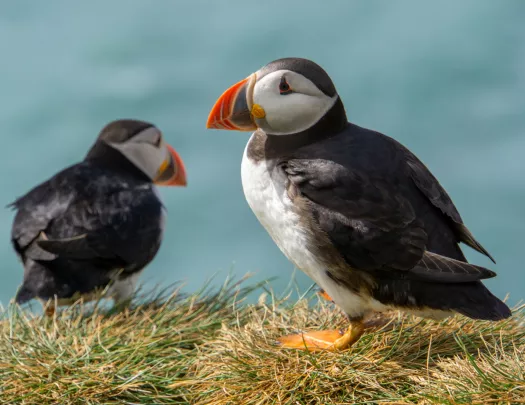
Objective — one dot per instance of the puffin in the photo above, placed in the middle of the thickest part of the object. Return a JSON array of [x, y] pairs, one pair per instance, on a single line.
[[93, 227], [352, 208]]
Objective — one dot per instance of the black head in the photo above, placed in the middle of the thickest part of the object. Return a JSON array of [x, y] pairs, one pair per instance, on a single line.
[[134, 145], [305, 67], [120, 131], [285, 97]]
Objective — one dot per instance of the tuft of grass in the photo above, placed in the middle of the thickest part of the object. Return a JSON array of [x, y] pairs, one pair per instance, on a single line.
[[211, 347]]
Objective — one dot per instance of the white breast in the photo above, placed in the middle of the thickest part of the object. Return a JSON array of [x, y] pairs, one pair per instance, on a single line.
[[123, 289], [269, 201]]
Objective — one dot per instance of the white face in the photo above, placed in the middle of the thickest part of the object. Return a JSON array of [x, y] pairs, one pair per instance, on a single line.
[[289, 113], [146, 150]]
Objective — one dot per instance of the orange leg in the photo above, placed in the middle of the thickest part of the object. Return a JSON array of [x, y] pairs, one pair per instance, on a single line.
[[333, 340], [323, 294], [50, 309]]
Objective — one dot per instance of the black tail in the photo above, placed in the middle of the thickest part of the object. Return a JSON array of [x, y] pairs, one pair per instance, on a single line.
[[479, 303], [471, 299], [24, 294]]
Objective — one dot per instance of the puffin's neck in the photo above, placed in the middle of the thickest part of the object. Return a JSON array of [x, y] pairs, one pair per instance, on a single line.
[[104, 155], [268, 146]]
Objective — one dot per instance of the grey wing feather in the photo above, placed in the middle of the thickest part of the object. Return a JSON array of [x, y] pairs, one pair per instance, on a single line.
[[437, 195], [437, 268], [35, 211], [72, 248], [36, 252]]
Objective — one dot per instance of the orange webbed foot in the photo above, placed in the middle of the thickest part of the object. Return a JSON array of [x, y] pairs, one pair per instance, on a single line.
[[332, 340], [323, 294], [50, 310]]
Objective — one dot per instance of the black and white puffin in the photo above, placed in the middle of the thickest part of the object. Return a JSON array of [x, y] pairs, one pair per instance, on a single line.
[[352, 208], [95, 225]]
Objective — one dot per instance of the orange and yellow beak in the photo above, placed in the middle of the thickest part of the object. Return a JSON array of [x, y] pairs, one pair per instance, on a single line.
[[172, 171], [234, 110]]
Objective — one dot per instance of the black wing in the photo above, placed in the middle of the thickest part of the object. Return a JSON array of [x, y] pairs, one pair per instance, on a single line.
[[433, 191], [81, 214], [371, 224], [120, 236], [35, 212]]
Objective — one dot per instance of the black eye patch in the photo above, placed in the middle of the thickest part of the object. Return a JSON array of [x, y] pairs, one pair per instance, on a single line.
[[284, 87]]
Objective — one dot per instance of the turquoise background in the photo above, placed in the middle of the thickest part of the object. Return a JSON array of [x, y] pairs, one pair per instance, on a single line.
[[447, 79]]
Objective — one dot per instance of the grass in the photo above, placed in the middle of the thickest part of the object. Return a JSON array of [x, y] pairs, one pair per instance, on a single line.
[[212, 348]]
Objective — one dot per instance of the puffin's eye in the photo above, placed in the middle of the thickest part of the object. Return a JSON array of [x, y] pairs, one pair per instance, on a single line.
[[284, 87], [158, 140]]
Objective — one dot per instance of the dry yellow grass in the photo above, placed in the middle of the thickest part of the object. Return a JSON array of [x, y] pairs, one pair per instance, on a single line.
[[210, 348]]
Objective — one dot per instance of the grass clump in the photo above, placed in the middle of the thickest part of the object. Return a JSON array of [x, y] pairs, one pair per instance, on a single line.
[[211, 348]]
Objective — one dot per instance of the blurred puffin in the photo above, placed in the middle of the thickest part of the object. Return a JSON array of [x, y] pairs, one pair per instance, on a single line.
[[95, 225], [352, 208]]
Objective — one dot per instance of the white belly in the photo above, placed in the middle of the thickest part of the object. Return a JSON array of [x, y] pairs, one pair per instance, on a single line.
[[119, 290], [123, 289], [270, 203]]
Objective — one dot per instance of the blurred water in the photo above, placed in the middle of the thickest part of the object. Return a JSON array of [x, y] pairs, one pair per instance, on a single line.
[[447, 79]]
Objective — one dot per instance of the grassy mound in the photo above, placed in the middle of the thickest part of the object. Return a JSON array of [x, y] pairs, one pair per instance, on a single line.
[[210, 348]]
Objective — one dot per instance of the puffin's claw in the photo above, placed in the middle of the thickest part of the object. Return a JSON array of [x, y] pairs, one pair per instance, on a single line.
[[50, 309], [332, 340]]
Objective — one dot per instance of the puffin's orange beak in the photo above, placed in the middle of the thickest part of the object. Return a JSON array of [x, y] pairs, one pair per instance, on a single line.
[[172, 171], [233, 110]]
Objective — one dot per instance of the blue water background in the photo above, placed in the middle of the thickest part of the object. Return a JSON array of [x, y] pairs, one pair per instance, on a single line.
[[447, 79]]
